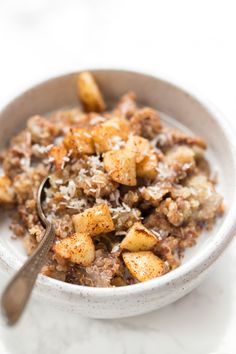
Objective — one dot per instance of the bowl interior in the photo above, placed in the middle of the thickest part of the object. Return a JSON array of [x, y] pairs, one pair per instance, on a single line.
[[176, 106]]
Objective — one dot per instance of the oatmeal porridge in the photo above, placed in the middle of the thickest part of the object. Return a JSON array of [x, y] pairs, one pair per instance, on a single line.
[[127, 193]]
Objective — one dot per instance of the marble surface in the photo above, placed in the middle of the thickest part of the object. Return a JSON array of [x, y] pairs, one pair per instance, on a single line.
[[189, 41]]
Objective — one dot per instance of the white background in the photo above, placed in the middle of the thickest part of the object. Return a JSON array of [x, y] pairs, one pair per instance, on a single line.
[[192, 42]]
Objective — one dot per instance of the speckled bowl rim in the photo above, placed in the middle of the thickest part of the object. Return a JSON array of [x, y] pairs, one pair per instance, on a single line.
[[192, 268]]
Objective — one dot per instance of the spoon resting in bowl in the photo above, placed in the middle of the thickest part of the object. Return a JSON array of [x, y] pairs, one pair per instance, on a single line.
[[18, 290]]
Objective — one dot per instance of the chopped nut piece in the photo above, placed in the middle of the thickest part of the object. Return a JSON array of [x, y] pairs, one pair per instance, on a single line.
[[169, 137], [42, 130], [126, 106], [146, 122]]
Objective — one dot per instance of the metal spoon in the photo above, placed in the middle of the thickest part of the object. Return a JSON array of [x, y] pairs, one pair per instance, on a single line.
[[17, 292]]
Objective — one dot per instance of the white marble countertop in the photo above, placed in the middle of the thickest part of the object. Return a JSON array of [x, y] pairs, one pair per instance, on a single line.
[[189, 41]]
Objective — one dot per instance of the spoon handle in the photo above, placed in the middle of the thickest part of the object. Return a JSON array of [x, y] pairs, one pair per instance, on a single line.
[[17, 292]]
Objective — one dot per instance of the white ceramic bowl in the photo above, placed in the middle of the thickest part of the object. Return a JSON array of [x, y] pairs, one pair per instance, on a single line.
[[180, 108]]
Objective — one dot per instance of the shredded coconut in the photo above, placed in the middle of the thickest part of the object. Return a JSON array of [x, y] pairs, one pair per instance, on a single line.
[[96, 120], [77, 204], [58, 140], [164, 172], [25, 163], [40, 149], [69, 191], [115, 248], [116, 143]]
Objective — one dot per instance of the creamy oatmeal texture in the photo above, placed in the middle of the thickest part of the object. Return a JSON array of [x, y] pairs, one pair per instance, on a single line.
[[127, 194]]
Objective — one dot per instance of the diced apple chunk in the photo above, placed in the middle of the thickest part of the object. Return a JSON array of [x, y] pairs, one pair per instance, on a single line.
[[183, 155], [121, 166], [94, 221], [80, 141], [147, 168], [144, 265], [6, 191], [140, 146], [110, 134], [78, 248], [138, 238], [89, 93], [58, 153]]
